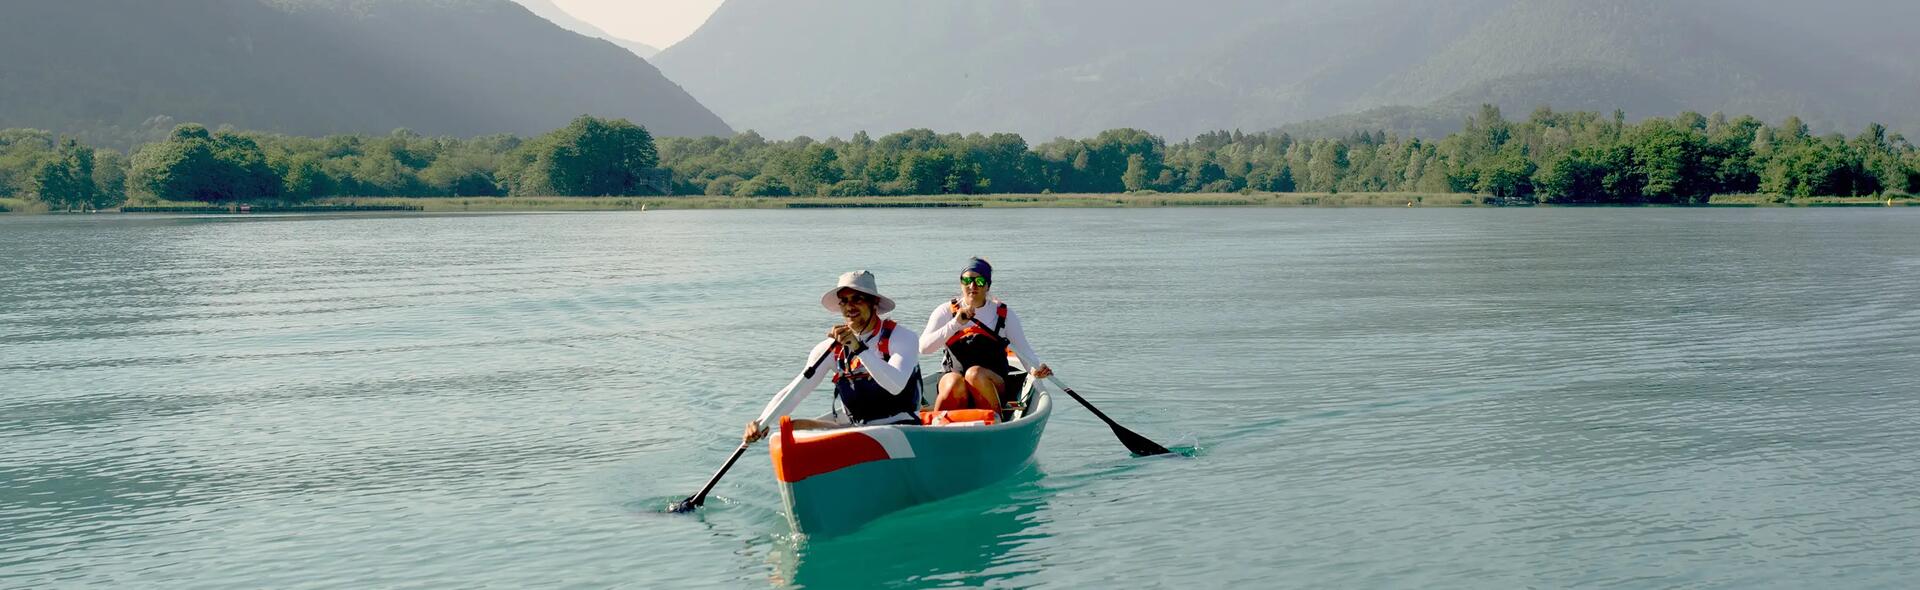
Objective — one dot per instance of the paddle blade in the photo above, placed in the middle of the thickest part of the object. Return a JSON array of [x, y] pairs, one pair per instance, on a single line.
[[694, 501], [1138, 444]]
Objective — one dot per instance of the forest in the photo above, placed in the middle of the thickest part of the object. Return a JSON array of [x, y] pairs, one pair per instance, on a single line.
[[1549, 157]]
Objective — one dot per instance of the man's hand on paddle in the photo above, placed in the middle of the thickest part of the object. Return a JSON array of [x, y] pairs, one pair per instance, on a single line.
[[1043, 372], [845, 336], [754, 432]]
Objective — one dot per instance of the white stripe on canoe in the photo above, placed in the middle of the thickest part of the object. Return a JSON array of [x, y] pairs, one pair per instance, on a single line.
[[894, 441], [891, 439]]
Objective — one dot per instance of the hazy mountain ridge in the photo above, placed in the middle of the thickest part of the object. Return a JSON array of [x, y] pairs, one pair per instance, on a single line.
[[552, 12], [1075, 67], [118, 71]]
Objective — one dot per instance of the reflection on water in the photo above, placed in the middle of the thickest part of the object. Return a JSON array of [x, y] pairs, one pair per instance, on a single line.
[[969, 540]]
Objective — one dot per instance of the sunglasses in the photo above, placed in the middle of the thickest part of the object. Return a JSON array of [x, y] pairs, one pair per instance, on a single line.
[[975, 281]]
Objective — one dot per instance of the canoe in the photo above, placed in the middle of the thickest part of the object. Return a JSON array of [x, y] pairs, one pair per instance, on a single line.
[[835, 481]]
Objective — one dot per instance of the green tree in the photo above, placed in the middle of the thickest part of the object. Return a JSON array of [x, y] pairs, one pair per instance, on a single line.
[[1578, 176], [66, 181], [808, 170], [762, 186], [723, 185], [109, 179], [303, 177], [1006, 165], [1508, 175], [1811, 167], [853, 187], [181, 168], [964, 178], [1669, 157], [592, 157], [1328, 163], [463, 175], [926, 173], [1135, 177], [22, 151], [1883, 169], [1281, 179], [196, 165], [1912, 166]]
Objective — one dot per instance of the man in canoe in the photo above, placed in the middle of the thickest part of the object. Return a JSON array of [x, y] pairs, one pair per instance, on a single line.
[[977, 333], [876, 364]]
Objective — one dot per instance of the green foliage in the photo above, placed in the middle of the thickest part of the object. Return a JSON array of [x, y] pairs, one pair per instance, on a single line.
[[303, 177], [1552, 157], [109, 179], [1912, 165], [1576, 177], [855, 187], [22, 153], [810, 170], [764, 186], [590, 157], [1507, 175], [1813, 167], [1135, 178], [66, 180], [194, 165], [723, 185]]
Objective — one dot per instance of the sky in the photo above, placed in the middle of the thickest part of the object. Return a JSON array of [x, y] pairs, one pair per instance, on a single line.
[[659, 23]]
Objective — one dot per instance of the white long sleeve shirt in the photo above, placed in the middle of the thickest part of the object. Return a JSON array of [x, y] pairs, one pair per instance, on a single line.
[[892, 372], [941, 325]]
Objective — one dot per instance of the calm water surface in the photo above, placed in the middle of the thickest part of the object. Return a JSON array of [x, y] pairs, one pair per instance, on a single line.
[[1377, 398]]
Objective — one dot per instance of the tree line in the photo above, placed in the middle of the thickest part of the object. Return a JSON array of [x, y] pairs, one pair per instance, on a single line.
[[1551, 157]]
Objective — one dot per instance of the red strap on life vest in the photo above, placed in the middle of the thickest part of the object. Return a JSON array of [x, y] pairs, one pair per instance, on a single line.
[[974, 328], [953, 307]]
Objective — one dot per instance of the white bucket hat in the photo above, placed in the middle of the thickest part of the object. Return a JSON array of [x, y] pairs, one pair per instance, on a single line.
[[861, 281]]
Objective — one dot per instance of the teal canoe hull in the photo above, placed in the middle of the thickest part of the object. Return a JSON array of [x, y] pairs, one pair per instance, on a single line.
[[835, 481]]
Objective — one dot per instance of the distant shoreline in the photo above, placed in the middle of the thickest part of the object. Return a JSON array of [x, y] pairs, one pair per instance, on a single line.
[[1074, 201]]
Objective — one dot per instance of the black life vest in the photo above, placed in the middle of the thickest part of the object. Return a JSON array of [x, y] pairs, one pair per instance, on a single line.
[[978, 346], [865, 399]]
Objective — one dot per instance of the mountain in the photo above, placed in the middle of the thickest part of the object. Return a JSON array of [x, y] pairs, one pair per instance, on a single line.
[[115, 72], [548, 10], [1048, 68]]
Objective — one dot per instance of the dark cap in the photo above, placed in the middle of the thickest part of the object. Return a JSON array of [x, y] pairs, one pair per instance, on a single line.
[[979, 265]]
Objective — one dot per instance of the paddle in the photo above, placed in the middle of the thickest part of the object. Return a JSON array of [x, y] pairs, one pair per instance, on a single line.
[[694, 501], [1136, 443]]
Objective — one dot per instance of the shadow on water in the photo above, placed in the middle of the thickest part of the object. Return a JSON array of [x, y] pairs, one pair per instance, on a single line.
[[971, 540]]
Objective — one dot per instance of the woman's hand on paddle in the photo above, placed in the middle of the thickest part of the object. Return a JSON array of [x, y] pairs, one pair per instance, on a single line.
[[754, 432], [1043, 372], [966, 310]]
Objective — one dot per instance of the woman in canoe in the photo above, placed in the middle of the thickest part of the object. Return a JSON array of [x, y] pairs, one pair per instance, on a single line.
[[976, 333], [876, 363]]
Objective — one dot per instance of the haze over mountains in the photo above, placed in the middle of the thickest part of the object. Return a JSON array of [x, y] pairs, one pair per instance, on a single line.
[[1048, 68], [118, 71], [548, 10]]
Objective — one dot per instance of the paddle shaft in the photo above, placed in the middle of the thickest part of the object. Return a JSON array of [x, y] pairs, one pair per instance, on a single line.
[[696, 500], [1140, 445], [701, 498]]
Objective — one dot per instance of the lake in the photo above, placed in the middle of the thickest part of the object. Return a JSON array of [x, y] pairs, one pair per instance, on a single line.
[[1463, 398]]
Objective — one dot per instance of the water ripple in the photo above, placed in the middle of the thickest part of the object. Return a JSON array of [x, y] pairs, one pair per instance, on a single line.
[[1475, 398]]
